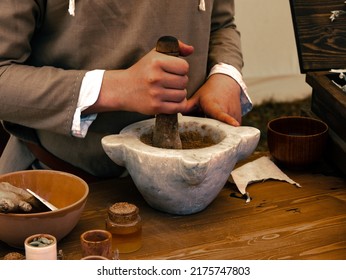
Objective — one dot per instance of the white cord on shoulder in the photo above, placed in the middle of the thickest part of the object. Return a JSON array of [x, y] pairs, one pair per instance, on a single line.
[[71, 7], [201, 5]]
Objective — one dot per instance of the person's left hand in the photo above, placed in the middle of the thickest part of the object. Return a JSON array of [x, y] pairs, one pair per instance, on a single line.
[[218, 98]]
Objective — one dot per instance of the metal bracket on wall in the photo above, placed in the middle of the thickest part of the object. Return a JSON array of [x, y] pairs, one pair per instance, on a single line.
[[337, 13]]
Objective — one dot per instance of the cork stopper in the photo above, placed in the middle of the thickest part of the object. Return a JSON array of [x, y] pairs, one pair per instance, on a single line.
[[123, 213]]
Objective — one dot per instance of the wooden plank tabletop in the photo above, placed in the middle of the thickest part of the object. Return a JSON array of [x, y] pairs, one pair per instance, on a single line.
[[281, 222]]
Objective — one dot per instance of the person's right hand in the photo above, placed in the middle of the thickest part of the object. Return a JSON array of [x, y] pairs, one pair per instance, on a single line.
[[156, 84]]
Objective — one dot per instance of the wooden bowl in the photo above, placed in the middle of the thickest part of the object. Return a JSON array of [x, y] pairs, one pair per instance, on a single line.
[[296, 141], [65, 191]]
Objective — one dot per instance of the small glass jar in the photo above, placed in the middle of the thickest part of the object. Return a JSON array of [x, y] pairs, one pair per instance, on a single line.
[[125, 224]]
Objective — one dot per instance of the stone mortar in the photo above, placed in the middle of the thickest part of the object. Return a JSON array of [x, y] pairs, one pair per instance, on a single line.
[[181, 181]]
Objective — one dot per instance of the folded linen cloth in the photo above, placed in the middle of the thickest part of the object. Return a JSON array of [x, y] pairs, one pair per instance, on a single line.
[[260, 169]]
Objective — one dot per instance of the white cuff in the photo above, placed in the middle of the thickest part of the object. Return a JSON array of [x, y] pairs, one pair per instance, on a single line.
[[229, 70], [88, 95]]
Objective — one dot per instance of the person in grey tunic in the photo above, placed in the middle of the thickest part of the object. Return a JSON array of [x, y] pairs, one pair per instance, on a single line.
[[72, 72]]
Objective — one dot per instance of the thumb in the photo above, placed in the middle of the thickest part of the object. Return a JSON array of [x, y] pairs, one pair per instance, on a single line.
[[185, 49], [192, 105]]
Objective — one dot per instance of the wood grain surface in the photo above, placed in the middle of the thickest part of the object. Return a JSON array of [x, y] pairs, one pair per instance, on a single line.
[[321, 43], [281, 222]]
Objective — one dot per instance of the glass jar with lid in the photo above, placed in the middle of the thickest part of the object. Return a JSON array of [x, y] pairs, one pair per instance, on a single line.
[[125, 224]]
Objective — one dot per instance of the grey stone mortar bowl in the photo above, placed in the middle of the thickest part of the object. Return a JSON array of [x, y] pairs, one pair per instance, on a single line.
[[181, 181]]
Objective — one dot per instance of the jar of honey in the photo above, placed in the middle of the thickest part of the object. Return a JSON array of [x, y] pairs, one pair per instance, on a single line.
[[125, 224]]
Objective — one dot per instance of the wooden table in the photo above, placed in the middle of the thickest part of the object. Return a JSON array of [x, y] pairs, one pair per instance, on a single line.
[[281, 222]]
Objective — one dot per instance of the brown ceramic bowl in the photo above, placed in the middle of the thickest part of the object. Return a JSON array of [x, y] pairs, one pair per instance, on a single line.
[[65, 191], [296, 141]]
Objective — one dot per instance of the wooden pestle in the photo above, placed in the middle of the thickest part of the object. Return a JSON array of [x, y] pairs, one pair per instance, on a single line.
[[166, 129]]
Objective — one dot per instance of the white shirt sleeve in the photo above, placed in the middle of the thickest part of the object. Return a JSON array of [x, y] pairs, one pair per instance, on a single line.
[[88, 95], [223, 68]]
